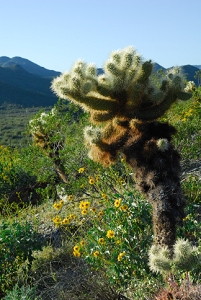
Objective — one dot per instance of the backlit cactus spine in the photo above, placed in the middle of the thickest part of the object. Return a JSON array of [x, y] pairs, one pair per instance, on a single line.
[[185, 257], [124, 104]]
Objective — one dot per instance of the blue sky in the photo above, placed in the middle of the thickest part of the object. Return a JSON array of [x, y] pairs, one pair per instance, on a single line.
[[55, 33]]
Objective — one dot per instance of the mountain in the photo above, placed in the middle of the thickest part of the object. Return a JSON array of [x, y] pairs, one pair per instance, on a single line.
[[17, 86], [189, 72], [197, 66], [27, 84], [28, 65], [157, 67]]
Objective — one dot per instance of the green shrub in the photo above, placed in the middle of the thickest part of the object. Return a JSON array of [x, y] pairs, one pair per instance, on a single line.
[[18, 241], [22, 293]]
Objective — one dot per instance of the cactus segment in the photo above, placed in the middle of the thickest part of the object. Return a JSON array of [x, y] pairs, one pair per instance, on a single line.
[[184, 258], [99, 117], [124, 89], [184, 96]]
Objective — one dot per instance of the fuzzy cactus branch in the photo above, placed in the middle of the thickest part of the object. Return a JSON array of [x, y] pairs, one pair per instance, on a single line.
[[125, 89], [185, 257], [125, 103]]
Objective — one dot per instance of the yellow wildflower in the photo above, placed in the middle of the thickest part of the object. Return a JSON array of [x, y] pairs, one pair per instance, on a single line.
[[76, 253], [104, 196], [93, 209], [117, 202], [124, 207], [110, 234], [101, 241], [96, 253], [86, 204], [84, 211], [120, 256], [100, 214], [82, 243], [57, 206], [61, 202], [91, 181], [76, 248], [56, 220], [70, 197], [82, 205], [72, 216], [81, 170], [66, 221]]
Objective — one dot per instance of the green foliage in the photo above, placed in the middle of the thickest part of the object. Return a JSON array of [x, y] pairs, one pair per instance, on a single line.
[[13, 123], [22, 293], [18, 241], [186, 118], [12, 173]]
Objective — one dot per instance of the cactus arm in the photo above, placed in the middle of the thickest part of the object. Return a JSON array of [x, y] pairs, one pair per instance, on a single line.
[[93, 101], [156, 111], [184, 96], [98, 117]]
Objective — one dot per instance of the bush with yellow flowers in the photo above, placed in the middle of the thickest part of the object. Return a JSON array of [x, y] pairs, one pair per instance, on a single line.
[[119, 240], [115, 225]]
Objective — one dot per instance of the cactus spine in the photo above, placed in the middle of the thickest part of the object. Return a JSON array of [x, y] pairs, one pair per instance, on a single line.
[[185, 257], [126, 103]]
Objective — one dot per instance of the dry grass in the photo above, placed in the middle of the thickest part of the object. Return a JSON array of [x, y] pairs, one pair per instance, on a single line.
[[59, 275]]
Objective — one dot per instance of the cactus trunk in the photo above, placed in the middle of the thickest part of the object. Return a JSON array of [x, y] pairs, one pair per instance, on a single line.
[[156, 168]]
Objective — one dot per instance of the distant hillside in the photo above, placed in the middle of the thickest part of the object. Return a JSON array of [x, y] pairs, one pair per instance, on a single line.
[[189, 72], [158, 67], [17, 86], [28, 65], [25, 83], [197, 66]]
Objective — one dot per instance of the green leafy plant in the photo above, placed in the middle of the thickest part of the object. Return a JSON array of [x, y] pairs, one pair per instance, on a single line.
[[18, 241], [12, 173], [22, 293]]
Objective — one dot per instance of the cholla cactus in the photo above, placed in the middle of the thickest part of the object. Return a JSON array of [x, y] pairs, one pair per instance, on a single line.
[[185, 257], [125, 103], [125, 92], [38, 127], [43, 129], [190, 87]]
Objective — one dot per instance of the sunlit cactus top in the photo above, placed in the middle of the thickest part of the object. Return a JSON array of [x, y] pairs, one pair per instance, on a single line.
[[125, 89]]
